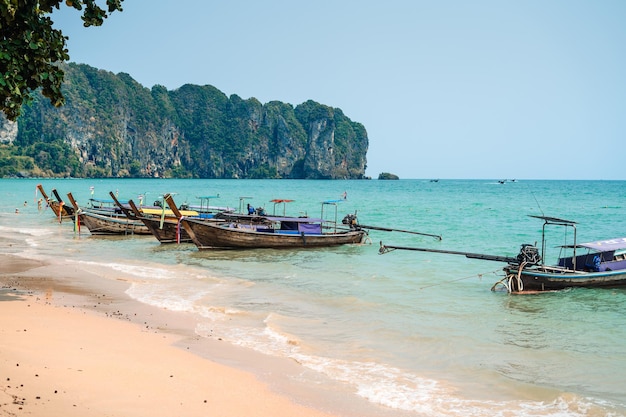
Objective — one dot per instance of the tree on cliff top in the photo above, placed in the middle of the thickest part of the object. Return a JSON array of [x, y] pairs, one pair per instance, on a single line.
[[30, 48]]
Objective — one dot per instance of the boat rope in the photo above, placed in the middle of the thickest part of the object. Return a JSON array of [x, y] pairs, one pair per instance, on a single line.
[[77, 222], [77, 215], [180, 219], [518, 281], [460, 279], [512, 282]]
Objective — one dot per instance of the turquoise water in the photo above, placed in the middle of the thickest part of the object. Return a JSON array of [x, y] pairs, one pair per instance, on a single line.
[[416, 333]]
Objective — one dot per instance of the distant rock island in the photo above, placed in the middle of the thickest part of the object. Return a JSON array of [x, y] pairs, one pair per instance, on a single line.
[[112, 126], [387, 176]]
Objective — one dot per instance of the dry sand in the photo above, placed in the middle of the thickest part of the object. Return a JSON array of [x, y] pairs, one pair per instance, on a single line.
[[68, 348]]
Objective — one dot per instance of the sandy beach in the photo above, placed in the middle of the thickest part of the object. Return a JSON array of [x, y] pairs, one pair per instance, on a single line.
[[73, 345]]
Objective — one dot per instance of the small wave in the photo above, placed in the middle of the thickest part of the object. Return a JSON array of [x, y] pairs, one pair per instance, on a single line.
[[160, 298], [178, 296], [31, 243], [140, 271], [394, 388], [25, 231]]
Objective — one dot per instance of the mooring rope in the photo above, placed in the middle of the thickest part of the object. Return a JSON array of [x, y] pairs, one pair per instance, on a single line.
[[520, 284], [460, 279], [510, 279]]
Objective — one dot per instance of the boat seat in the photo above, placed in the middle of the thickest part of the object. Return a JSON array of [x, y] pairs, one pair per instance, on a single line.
[[613, 265], [594, 265]]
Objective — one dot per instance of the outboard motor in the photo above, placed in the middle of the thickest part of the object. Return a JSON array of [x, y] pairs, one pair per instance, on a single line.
[[529, 254], [350, 220]]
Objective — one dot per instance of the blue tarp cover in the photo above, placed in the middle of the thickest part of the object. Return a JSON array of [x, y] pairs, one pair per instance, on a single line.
[[605, 245], [310, 228]]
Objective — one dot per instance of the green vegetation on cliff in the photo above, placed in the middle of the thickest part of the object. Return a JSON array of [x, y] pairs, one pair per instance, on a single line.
[[111, 126]]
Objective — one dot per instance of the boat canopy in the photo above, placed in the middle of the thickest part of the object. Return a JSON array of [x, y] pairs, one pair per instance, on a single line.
[[555, 220], [294, 219], [605, 245], [217, 208], [106, 201], [168, 212]]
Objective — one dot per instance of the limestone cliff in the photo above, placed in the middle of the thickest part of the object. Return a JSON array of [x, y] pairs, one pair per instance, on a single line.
[[111, 126]]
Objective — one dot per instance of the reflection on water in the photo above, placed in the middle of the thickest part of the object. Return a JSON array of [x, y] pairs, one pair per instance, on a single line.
[[543, 332]]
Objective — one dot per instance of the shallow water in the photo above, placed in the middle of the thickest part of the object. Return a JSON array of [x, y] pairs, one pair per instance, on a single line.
[[415, 332]]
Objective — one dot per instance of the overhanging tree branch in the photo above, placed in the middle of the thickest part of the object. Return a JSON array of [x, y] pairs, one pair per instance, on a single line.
[[31, 48]]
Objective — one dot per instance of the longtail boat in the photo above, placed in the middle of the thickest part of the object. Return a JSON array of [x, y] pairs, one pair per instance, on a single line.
[[59, 208], [111, 223], [271, 232], [599, 264], [163, 225], [164, 229], [162, 222]]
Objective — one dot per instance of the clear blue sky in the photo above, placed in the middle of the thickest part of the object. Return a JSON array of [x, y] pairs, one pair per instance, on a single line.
[[446, 89]]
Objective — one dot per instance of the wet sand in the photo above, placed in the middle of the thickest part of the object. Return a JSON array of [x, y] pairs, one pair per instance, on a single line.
[[73, 344]]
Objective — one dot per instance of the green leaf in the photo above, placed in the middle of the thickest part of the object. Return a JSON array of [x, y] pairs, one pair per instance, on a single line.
[[30, 45]]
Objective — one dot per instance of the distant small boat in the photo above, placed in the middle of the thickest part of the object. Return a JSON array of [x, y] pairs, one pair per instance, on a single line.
[[602, 265]]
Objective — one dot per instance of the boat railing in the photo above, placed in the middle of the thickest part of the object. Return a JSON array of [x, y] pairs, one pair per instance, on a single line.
[[555, 221], [560, 269]]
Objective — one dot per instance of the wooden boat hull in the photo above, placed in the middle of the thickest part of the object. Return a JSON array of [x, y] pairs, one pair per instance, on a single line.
[[99, 224], [170, 231], [210, 235], [541, 279], [61, 211]]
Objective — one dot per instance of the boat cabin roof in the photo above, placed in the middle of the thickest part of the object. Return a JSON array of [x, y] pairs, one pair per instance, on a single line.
[[555, 220], [106, 201], [605, 245], [294, 219], [168, 212], [215, 208]]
